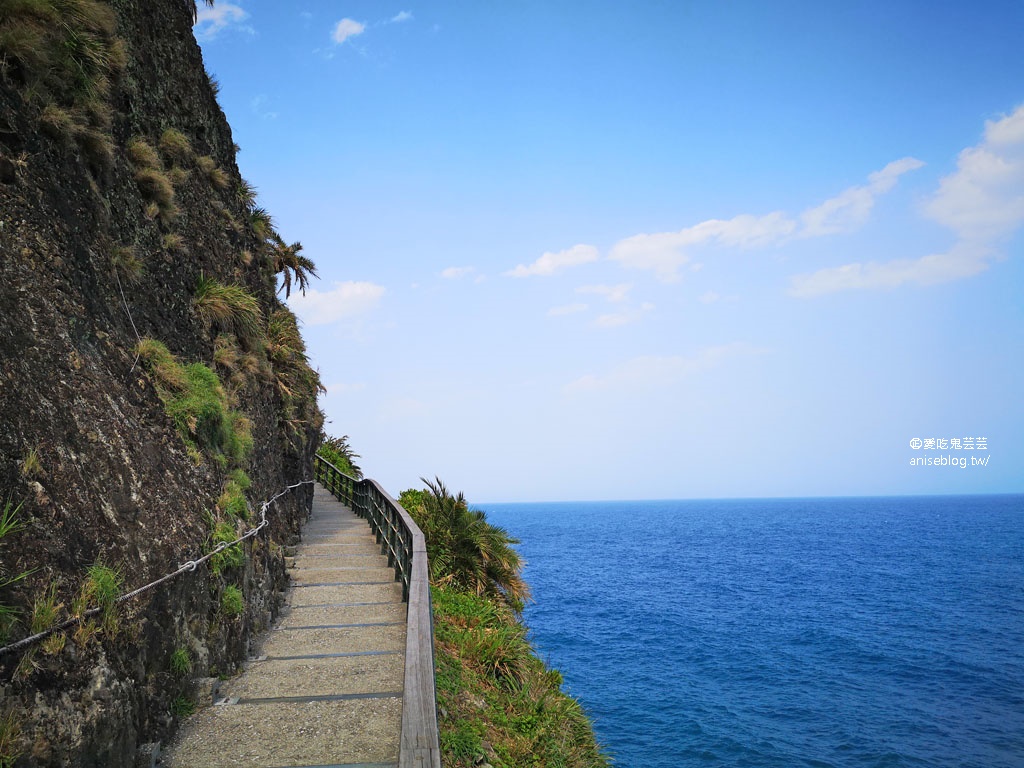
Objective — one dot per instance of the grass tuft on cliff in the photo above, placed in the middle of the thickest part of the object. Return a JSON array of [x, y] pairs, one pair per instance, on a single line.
[[498, 702], [197, 404], [230, 307], [62, 56]]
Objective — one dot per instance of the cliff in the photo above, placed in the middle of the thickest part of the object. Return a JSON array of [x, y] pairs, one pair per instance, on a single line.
[[154, 390]]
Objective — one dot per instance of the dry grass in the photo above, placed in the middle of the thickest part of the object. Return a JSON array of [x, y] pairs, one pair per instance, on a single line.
[[168, 373], [214, 174], [57, 122], [177, 176], [127, 263], [230, 307], [156, 189], [32, 465], [175, 146], [141, 153], [172, 242], [96, 146]]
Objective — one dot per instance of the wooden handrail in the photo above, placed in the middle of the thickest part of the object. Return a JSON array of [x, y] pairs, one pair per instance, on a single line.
[[402, 541]]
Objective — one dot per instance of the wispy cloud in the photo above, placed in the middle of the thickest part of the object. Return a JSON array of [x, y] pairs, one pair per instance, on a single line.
[[210, 21], [454, 273], [259, 105], [664, 253], [982, 202], [343, 301], [345, 29], [625, 317], [850, 209], [961, 261], [550, 263], [613, 293], [651, 372], [567, 309], [401, 16]]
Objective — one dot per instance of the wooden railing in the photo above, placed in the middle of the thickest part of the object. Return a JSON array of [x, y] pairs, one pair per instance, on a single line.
[[402, 541]]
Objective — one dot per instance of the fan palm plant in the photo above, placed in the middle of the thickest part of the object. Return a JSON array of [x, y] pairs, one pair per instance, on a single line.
[[291, 265], [465, 551]]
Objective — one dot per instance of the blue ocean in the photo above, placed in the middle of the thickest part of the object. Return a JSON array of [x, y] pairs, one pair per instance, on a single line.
[[776, 633]]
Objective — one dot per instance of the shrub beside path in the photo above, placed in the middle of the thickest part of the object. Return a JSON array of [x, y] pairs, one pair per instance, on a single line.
[[326, 687]]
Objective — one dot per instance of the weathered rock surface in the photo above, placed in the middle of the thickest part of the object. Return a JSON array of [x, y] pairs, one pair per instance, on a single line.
[[112, 479]]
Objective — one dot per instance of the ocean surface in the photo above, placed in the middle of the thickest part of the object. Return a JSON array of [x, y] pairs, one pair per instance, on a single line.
[[785, 632]]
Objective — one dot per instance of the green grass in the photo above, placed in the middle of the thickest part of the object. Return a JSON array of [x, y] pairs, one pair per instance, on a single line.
[[45, 610], [232, 499], [181, 662], [197, 404], [499, 703], [101, 588], [232, 557], [183, 706], [339, 453], [231, 601]]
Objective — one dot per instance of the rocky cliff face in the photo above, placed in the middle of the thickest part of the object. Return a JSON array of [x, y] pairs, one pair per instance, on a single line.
[[123, 218]]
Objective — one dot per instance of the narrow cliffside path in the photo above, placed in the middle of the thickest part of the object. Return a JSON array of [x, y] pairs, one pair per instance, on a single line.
[[326, 687]]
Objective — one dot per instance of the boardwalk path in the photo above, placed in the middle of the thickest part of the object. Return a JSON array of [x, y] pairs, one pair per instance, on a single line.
[[326, 689]]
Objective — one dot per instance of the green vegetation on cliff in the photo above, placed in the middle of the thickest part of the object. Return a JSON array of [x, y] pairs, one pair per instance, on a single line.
[[498, 703], [337, 451]]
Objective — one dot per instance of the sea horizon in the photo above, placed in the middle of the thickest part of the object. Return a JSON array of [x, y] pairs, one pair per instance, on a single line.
[[986, 494], [836, 632]]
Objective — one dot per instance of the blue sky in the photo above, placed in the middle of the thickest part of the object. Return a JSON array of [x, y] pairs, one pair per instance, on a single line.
[[613, 250]]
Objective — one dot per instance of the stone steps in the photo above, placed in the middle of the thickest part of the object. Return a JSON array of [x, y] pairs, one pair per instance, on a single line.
[[326, 686]]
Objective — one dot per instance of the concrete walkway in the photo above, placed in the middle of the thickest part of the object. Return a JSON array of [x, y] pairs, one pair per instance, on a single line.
[[326, 688]]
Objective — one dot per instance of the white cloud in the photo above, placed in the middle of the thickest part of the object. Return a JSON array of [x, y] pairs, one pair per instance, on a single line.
[[550, 263], [210, 21], [651, 372], [401, 16], [613, 293], [343, 301], [665, 252], [982, 202], [960, 262], [345, 29], [567, 309], [454, 273], [617, 319], [984, 199], [851, 208]]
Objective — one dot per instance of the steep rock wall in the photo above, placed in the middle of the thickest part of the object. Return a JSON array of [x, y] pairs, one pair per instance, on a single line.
[[93, 257]]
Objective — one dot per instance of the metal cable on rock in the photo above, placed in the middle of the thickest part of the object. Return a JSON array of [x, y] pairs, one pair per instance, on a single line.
[[188, 566]]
